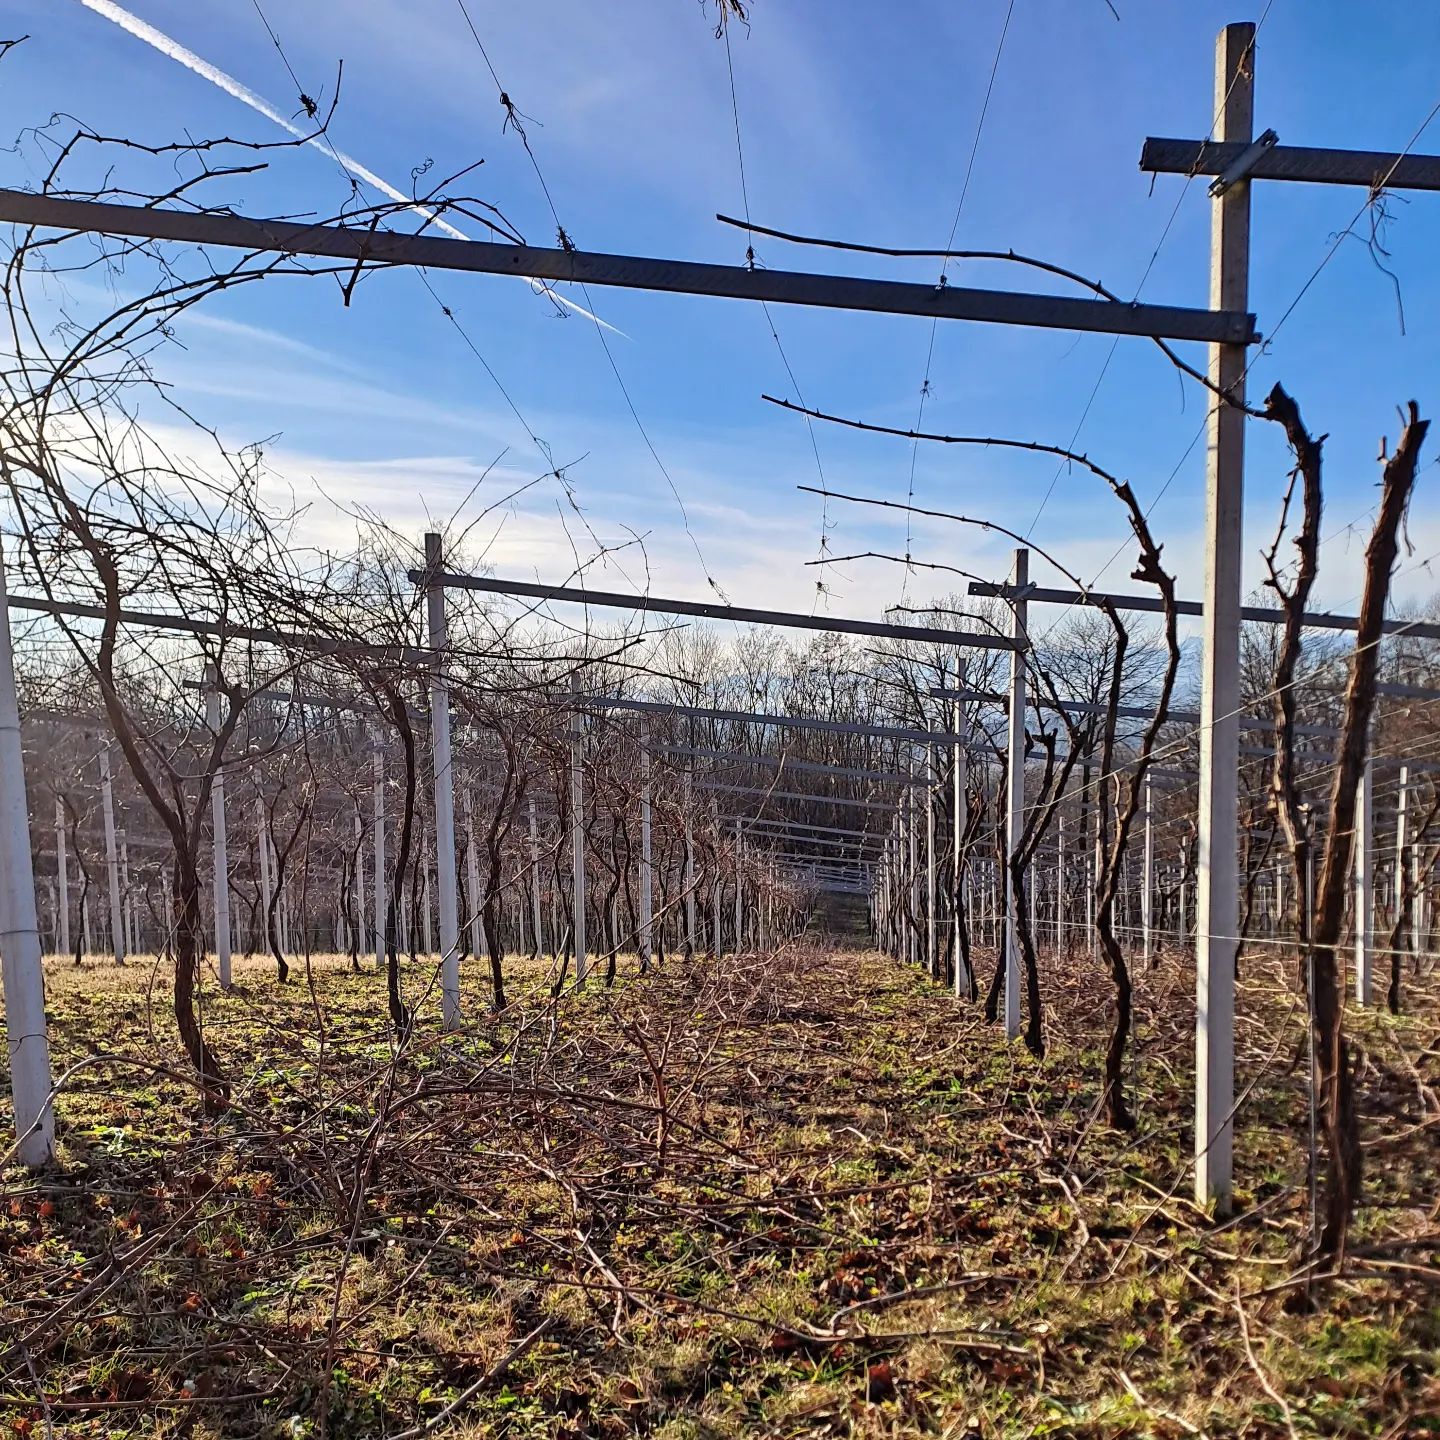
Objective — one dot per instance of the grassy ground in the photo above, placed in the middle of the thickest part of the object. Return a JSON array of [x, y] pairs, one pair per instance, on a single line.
[[798, 1195]]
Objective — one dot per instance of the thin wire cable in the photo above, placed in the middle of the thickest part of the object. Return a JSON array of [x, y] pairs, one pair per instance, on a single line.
[[944, 270], [514, 119], [750, 260]]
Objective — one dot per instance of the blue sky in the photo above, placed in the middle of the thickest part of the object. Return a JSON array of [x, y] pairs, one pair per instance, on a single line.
[[856, 121]]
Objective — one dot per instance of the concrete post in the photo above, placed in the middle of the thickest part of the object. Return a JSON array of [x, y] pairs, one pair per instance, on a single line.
[[26, 1039], [62, 877], [577, 832], [1218, 905], [112, 857], [1015, 789], [647, 872], [1364, 911], [444, 788], [220, 860]]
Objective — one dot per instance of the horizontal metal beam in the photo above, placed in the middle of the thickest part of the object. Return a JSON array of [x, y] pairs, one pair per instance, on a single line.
[[843, 847], [706, 610], [632, 272], [780, 823], [1303, 163], [795, 722], [1183, 717], [1314, 619], [796, 795], [157, 620], [942, 692], [1392, 689], [778, 762]]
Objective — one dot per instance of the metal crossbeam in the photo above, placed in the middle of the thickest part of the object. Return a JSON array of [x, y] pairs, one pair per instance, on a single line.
[[1304, 163], [157, 620], [783, 824], [706, 610], [1394, 690], [778, 762], [633, 272], [796, 795], [796, 722], [1313, 619]]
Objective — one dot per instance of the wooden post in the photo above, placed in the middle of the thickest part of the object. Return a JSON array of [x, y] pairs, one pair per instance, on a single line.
[[444, 789], [1015, 789], [1217, 900]]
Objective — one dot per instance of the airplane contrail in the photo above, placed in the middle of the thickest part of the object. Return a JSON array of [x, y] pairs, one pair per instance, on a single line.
[[172, 49]]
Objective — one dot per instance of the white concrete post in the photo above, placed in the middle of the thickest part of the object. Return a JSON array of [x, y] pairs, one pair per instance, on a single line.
[[1402, 844], [1015, 788], [647, 872], [427, 928], [1218, 901], [359, 831], [444, 788], [219, 854], [958, 781], [263, 833], [739, 890], [535, 917], [912, 837], [62, 875], [127, 909], [690, 928], [26, 1039], [577, 831], [1147, 887], [715, 888], [932, 937], [1364, 911], [472, 877], [377, 842], [112, 857], [1060, 892]]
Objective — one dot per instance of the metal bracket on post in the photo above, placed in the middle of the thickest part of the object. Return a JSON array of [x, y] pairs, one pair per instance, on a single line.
[[1240, 167]]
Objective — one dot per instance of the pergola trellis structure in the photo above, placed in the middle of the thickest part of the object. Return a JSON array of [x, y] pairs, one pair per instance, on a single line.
[[380, 248], [1226, 327]]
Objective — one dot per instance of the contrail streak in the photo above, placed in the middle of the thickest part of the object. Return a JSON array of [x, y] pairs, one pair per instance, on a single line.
[[172, 49]]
